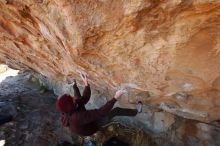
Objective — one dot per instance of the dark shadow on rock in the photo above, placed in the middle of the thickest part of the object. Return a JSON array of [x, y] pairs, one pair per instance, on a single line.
[[114, 141], [5, 118], [65, 143]]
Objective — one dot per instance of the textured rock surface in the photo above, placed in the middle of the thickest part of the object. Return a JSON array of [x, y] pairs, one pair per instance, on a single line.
[[165, 52], [36, 121]]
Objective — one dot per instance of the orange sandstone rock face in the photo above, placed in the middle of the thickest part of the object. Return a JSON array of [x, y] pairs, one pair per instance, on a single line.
[[164, 52]]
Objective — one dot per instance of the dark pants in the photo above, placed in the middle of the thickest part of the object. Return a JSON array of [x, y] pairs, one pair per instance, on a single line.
[[117, 112]]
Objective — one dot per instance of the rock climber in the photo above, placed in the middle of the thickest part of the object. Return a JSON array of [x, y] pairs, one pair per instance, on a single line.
[[86, 122]]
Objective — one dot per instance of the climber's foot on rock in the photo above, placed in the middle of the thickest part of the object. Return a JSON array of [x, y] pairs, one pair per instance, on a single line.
[[139, 106]]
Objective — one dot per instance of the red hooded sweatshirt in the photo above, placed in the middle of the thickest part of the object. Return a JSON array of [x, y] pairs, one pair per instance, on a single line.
[[84, 122]]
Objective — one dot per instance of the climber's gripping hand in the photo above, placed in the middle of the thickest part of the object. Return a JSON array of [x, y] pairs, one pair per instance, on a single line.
[[119, 93]]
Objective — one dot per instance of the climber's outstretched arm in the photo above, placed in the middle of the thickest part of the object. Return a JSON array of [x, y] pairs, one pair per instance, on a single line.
[[86, 96], [86, 93]]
